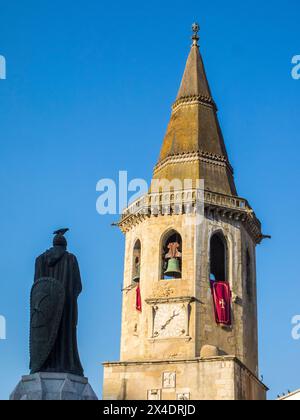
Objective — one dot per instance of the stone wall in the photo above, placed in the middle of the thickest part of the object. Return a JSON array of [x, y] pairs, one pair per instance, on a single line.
[[136, 342], [219, 378], [240, 340]]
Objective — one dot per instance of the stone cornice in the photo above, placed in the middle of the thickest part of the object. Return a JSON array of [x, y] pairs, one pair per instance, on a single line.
[[225, 358], [199, 156], [233, 209], [179, 299], [194, 100]]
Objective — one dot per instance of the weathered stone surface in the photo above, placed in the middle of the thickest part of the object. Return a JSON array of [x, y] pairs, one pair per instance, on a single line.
[[194, 128], [240, 340], [53, 386], [220, 378], [209, 351]]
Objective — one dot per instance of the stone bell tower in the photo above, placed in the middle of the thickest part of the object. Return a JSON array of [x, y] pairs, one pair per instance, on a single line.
[[189, 321]]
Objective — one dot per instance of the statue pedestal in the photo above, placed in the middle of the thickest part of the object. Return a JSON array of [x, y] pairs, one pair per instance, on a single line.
[[53, 386]]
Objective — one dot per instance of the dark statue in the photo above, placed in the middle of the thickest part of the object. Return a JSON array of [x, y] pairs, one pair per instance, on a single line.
[[54, 314]]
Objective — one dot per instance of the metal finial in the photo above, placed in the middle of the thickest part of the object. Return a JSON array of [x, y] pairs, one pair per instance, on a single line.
[[195, 29]]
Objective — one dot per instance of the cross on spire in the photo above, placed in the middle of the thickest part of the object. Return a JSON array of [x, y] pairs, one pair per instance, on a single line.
[[195, 37]]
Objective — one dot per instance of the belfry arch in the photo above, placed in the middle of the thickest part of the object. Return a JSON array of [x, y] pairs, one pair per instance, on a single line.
[[218, 257]]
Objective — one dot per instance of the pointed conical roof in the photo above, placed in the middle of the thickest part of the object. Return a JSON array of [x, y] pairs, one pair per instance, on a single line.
[[194, 81], [193, 147]]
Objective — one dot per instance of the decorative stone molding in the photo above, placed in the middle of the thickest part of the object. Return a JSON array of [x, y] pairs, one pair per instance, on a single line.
[[195, 100], [216, 205], [163, 292], [178, 299], [199, 156]]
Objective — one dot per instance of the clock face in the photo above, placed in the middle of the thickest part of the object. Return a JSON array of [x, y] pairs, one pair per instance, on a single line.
[[170, 320]]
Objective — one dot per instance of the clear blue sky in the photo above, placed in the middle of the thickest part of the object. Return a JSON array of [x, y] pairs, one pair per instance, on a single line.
[[88, 93]]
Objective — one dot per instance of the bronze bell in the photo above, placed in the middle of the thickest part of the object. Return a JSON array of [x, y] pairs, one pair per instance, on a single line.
[[173, 269]]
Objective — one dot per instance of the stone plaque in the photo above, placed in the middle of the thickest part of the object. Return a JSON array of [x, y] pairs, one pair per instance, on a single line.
[[154, 394], [183, 397], [169, 380]]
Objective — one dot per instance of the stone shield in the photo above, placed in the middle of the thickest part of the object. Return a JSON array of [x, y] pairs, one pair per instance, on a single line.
[[46, 308]]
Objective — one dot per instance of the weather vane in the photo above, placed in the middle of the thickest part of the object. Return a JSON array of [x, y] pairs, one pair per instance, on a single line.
[[195, 29]]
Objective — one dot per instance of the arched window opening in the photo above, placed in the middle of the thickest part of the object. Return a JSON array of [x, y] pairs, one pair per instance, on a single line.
[[172, 256], [218, 264], [249, 279], [136, 265]]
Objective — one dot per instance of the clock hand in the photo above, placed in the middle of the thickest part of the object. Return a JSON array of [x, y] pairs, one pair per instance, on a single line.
[[169, 321]]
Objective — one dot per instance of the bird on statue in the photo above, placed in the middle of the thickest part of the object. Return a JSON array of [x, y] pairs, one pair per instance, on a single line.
[[61, 231]]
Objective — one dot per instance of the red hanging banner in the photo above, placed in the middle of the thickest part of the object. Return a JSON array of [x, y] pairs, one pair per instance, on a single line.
[[138, 299], [222, 302]]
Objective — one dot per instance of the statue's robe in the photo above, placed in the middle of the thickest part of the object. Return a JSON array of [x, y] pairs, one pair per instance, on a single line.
[[63, 266]]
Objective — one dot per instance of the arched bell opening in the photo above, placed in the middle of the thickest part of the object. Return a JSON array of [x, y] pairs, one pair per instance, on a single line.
[[171, 256], [249, 280], [218, 258], [136, 263]]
